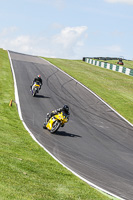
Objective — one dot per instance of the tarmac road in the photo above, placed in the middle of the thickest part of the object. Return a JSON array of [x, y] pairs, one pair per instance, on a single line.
[[96, 143]]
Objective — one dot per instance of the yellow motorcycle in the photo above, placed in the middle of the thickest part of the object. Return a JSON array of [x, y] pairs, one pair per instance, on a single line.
[[55, 122], [35, 88]]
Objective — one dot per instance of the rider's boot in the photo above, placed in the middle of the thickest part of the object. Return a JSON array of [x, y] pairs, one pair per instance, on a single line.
[[44, 125]]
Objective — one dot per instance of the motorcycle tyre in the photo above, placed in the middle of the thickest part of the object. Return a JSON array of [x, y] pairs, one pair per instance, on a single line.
[[44, 125], [34, 93], [54, 129]]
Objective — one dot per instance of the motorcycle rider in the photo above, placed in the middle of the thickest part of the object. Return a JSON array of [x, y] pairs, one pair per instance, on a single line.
[[37, 79], [64, 109]]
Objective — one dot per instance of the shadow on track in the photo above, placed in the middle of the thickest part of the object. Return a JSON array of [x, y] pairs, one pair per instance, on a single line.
[[63, 133], [41, 96]]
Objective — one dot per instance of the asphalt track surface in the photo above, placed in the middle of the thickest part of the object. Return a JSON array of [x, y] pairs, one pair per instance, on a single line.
[[96, 143]]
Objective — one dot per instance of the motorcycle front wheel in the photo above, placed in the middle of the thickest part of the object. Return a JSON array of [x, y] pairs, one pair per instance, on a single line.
[[44, 125], [55, 127]]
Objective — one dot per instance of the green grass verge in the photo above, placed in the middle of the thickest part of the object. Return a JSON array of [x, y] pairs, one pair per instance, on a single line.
[[113, 87], [27, 172]]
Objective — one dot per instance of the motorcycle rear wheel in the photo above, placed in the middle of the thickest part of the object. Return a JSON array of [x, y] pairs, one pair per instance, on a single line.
[[55, 127], [34, 92]]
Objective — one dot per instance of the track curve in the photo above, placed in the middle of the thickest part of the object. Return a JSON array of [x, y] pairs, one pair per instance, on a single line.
[[96, 143]]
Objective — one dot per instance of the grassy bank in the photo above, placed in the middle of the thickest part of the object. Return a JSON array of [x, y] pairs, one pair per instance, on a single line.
[[27, 172], [113, 87]]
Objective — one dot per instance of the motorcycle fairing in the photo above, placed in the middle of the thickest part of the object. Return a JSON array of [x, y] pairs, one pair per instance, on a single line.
[[60, 117]]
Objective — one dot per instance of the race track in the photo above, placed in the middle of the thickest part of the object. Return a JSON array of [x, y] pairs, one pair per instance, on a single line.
[[96, 143]]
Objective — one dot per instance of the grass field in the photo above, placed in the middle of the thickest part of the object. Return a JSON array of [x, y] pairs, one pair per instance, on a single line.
[[27, 172]]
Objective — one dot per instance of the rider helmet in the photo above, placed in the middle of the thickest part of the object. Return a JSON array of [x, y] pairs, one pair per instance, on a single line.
[[39, 76], [66, 108]]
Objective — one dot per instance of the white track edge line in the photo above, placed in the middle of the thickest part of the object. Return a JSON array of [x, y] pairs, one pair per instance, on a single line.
[[20, 115], [92, 93]]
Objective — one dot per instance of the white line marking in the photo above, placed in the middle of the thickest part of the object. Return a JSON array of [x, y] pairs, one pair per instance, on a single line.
[[20, 115], [92, 93]]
